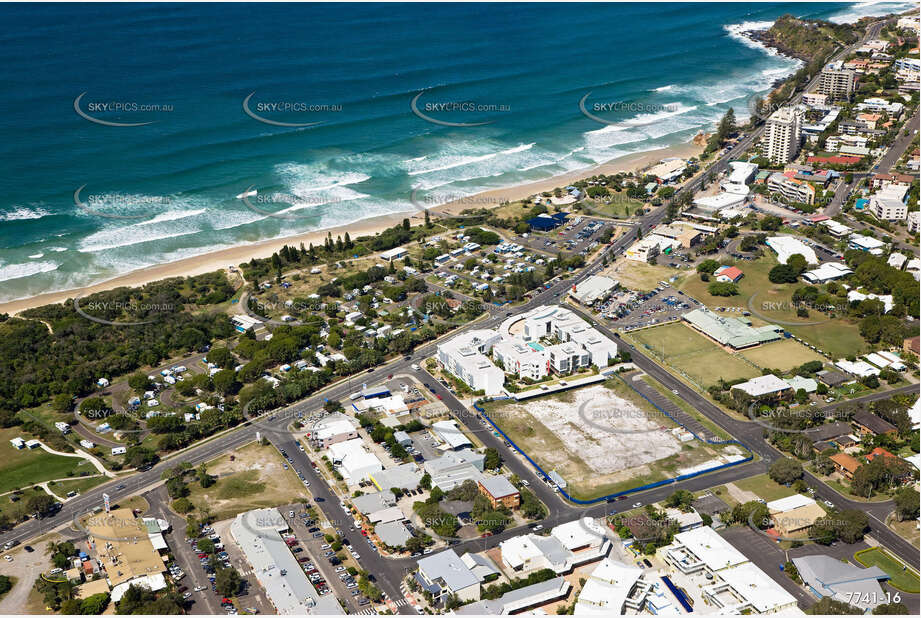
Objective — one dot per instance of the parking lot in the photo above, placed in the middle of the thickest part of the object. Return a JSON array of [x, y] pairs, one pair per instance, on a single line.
[[326, 571], [579, 236], [632, 310]]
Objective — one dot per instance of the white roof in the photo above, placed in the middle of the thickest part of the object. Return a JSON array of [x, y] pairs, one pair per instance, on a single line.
[[789, 503], [875, 359], [866, 242], [579, 533], [720, 201], [915, 414], [710, 548], [451, 433], [886, 299], [356, 460], [827, 271], [329, 428], [607, 588], [392, 253], [859, 368], [786, 246], [757, 588], [593, 288], [741, 171], [763, 385]]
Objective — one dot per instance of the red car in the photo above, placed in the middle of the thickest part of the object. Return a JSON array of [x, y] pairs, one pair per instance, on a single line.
[[439, 396], [202, 555]]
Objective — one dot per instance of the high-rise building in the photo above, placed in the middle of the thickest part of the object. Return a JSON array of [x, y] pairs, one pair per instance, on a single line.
[[836, 81], [781, 138]]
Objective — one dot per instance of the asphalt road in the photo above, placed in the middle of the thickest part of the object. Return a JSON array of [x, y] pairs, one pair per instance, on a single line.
[[747, 433]]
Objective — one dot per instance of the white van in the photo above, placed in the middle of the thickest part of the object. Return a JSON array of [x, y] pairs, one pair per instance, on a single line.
[[415, 367]]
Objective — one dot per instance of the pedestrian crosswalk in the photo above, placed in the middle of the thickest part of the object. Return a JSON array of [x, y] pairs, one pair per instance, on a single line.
[[372, 611]]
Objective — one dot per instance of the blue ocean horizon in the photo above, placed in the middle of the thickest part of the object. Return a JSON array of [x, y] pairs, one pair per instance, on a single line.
[[502, 82]]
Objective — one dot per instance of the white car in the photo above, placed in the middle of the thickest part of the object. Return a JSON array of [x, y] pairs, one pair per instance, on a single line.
[[637, 505]]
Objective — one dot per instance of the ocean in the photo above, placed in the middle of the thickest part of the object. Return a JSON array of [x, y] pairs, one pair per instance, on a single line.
[[129, 130]]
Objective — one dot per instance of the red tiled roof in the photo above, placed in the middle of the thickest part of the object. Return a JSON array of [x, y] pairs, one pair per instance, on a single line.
[[837, 159]]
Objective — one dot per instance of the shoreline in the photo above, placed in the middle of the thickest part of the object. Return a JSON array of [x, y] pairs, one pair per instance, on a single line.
[[218, 260]]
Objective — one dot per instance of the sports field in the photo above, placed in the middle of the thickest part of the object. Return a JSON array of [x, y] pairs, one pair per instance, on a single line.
[[785, 354], [693, 354]]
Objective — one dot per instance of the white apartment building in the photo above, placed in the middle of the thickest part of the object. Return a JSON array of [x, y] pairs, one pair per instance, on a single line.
[[563, 324], [782, 134], [889, 203], [522, 359], [836, 81], [912, 220], [465, 357]]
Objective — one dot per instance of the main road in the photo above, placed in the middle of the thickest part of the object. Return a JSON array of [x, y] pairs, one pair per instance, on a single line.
[[747, 433]]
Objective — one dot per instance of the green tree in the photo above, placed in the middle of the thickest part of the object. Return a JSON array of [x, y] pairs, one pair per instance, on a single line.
[[227, 581], [492, 459], [785, 470]]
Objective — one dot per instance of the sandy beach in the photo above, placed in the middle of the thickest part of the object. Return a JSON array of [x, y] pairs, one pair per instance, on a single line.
[[216, 260]]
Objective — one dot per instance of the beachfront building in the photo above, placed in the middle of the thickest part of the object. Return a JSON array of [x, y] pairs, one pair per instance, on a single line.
[[782, 134], [465, 358], [836, 81]]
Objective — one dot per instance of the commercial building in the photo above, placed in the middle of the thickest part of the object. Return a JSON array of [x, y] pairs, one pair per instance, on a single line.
[[123, 547], [354, 461], [499, 491], [257, 533], [392, 533], [593, 289], [454, 467], [577, 542], [612, 588], [397, 253], [668, 170], [405, 476], [826, 576], [451, 434], [838, 230], [766, 388], [332, 429], [782, 135], [794, 515], [736, 333], [836, 81], [444, 574], [786, 246], [465, 357], [643, 250]]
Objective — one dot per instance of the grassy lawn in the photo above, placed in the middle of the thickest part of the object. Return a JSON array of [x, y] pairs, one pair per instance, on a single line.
[[693, 354], [255, 478], [15, 510], [78, 485], [903, 577], [769, 301], [763, 486], [784, 354], [21, 468], [641, 276]]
